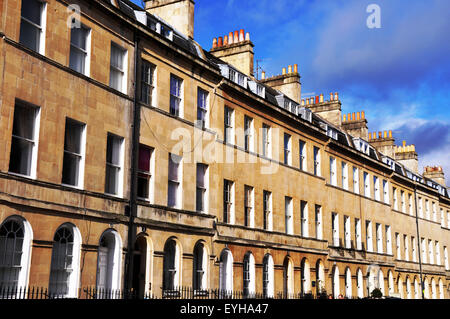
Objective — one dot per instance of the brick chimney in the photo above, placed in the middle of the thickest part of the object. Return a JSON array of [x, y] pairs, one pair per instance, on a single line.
[[235, 49], [288, 83], [178, 13], [330, 109], [383, 143], [435, 173], [406, 155], [355, 124]]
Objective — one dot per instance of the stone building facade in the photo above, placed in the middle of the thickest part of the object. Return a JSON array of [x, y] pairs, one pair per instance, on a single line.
[[132, 158]]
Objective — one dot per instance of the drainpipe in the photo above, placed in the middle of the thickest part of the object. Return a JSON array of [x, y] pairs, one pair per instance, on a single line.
[[418, 242], [132, 208]]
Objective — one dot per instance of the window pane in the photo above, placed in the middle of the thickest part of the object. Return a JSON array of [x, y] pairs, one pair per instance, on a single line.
[[77, 60], [173, 167], [71, 166], [143, 186], [73, 134], [117, 55], [29, 35], [78, 37], [20, 157], [115, 80], [113, 150], [112, 178], [24, 118], [144, 158], [172, 194], [31, 10]]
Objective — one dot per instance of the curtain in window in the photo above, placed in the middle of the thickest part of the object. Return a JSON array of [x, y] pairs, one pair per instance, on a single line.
[[11, 244], [117, 69], [144, 171]]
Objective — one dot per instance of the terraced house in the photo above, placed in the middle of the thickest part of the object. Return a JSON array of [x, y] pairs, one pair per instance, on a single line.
[[133, 159]]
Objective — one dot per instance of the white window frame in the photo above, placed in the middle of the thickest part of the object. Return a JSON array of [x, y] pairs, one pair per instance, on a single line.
[[251, 214], [25, 253], [376, 188], [423, 245], [316, 154], [438, 253], [268, 212], [333, 174], [344, 174], [287, 152], [385, 191], [369, 236], [410, 204], [231, 213], [34, 141], [73, 279], [86, 51], [318, 217], [366, 179], [335, 229], [347, 232], [229, 135], [179, 191], [42, 27], [358, 234], [266, 149], [204, 188], [427, 209], [288, 215], [406, 247], [403, 201], [379, 231], [203, 108], [302, 155], [124, 71], [394, 198], [180, 97], [388, 240], [120, 166], [304, 214], [420, 207], [398, 246], [249, 133], [81, 155], [430, 252], [355, 180], [150, 174]]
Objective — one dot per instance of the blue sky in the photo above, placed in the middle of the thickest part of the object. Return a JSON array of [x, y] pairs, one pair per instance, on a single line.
[[398, 74]]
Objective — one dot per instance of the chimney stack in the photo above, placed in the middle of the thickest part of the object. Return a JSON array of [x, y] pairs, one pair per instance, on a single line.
[[237, 50], [406, 155], [434, 173], [288, 83], [356, 125], [383, 143], [178, 13]]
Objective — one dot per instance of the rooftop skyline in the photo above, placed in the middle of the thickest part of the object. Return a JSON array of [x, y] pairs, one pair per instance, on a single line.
[[399, 74]]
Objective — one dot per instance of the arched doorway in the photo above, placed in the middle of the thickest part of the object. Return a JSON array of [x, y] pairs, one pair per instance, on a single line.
[[141, 260]]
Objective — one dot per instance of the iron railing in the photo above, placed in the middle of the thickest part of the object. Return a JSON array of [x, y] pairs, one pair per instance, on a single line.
[[178, 293]]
